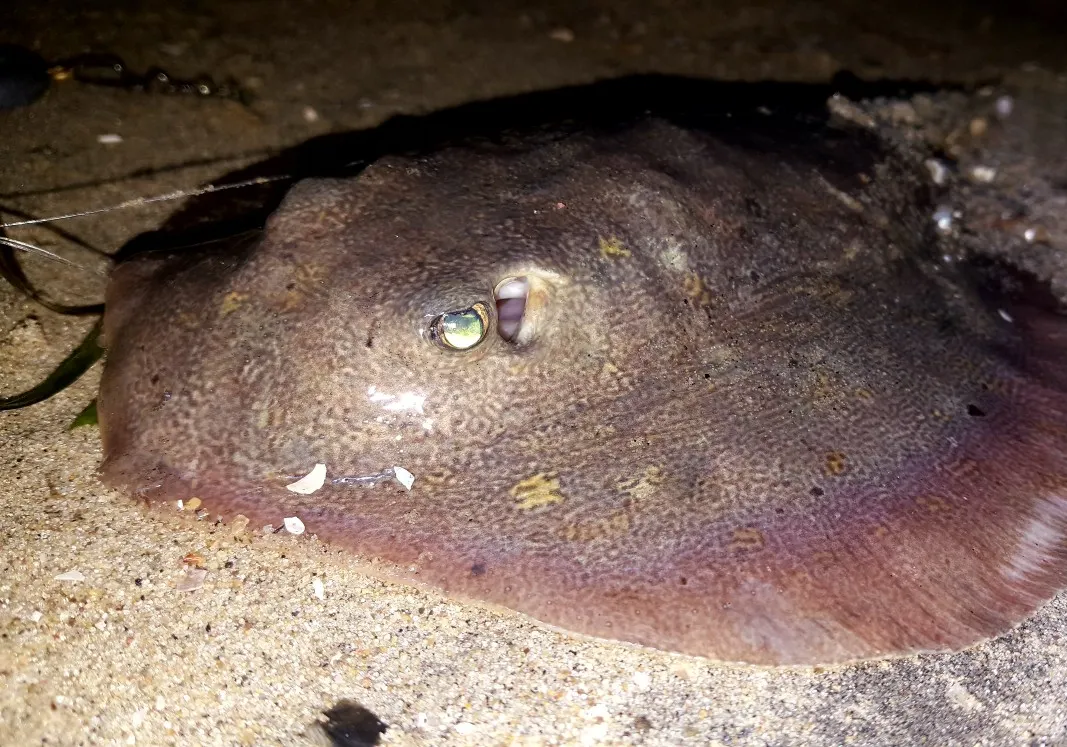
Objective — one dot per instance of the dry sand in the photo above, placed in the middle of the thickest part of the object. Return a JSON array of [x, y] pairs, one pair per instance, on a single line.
[[254, 655]]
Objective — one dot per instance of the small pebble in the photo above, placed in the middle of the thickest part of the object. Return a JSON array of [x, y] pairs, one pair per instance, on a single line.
[[349, 723], [564, 35], [310, 115], [938, 171], [944, 218], [320, 590], [109, 139], [71, 576], [598, 711], [293, 525], [983, 174], [593, 735], [1036, 235], [978, 126], [192, 580], [1005, 106], [464, 727]]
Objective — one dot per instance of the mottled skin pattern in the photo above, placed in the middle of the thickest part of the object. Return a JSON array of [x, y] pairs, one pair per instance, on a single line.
[[757, 421]]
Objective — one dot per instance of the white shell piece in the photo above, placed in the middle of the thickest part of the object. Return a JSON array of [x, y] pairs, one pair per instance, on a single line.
[[404, 477], [71, 576], [310, 482]]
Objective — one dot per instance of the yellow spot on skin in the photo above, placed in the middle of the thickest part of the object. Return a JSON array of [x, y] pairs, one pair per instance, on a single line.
[[697, 290], [642, 486], [305, 278], [824, 386], [269, 417], [612, 248], [932, 503], [538, 490], [616, 525], [231, 302], [609, 369], [618, 522], [746, 539], [443, 477], [835, 463]]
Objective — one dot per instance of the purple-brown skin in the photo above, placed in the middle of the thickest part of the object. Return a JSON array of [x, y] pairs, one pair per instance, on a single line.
[[756, 419]]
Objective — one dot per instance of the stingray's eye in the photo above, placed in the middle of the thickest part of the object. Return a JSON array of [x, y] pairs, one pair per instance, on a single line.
[[461, 330]]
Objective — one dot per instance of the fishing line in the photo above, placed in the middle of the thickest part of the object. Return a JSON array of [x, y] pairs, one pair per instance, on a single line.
[[142, 201]]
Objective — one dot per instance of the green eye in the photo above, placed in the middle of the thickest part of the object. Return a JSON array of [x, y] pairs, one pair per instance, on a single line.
[[461, 330]]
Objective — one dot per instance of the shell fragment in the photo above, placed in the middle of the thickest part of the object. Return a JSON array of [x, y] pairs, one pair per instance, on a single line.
[[404, 477], [310, 482]]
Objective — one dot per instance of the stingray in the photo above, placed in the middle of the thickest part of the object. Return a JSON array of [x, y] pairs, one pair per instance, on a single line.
[[705, 386]]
